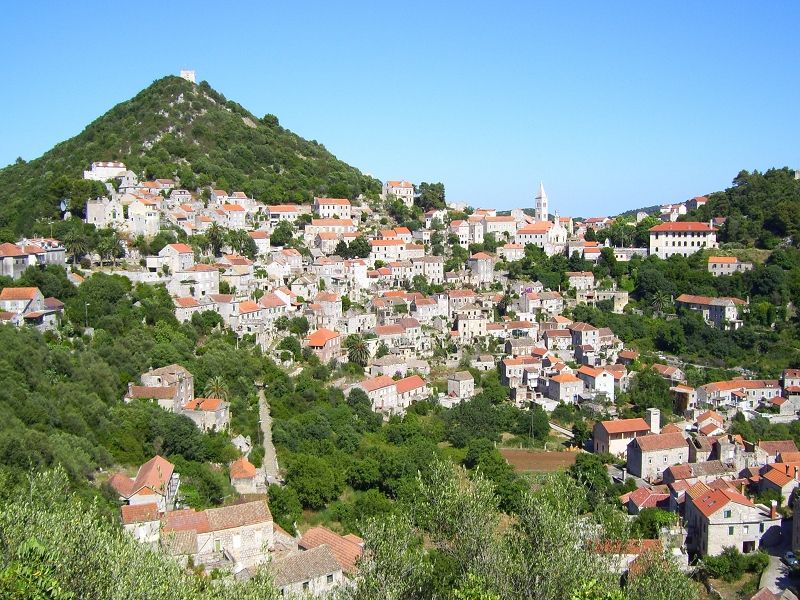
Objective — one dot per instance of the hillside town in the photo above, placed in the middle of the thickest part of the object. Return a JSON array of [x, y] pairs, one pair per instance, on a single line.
[[416, 306]]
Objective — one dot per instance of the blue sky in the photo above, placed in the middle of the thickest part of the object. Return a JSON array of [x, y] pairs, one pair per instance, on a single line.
[[612, 105]]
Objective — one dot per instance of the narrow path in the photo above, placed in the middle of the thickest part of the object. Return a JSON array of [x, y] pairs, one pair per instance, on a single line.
[[270, 464], [562, 430]]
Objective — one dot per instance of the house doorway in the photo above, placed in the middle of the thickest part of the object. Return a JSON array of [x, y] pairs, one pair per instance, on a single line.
[[748, 547]]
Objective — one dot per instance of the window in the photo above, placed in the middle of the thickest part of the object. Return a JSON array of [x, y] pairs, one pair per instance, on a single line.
[[727, 514], [305, 586], [761, 528], [730, 530], [330, 578], [746, 529]]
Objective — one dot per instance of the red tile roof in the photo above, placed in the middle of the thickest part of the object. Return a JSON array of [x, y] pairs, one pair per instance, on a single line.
[[711, 502], [409, 383], [321, 337], [206, 404], [661, 441], [139, 513], [242, 468], [625, 425], [19, 293], [370, 385], [347, 550], [681, 226]]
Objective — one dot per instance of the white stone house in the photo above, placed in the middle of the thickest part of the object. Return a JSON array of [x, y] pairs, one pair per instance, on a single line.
[[614, 436], [242, 534], [333, 208], [565, 387], [403, 190], [724, 517], [684, 238], [649, 455]]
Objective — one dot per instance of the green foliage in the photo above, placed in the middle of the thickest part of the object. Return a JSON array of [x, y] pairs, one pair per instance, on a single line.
[[208, 142], [649, 521], [431, 195], [285, 506], [282, 234], [56, 546], [731, 564], [764, 207], [314, 480]]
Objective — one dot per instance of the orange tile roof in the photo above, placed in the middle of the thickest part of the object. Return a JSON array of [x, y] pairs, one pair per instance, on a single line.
[[682, 226], [242, 468], [535, 228], [20, 293], [409, 383], [333, 201], [248, 306], [727, 260], [625, 425], [388, 329], [565, 378], [347, 549], [661, 441], [186, 302], [776, 476], [320, 337], [139, 513], [712, 501], [382, 381], [204, 404]]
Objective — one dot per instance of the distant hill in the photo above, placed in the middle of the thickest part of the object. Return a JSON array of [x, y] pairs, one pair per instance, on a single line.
[[176, 128], [648, 209]]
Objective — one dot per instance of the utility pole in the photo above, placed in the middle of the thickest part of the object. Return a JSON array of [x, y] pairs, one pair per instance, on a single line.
[[86, 312]]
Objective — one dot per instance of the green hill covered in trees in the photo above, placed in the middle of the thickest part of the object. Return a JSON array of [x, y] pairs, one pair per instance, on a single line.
[[175, 128], [761, 209]]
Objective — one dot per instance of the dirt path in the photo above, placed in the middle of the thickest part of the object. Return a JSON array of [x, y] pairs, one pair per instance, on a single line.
[[270, 464]]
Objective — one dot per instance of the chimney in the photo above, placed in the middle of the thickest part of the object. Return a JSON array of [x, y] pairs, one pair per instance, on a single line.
[[624, 474], [653, 420], [773, 510]]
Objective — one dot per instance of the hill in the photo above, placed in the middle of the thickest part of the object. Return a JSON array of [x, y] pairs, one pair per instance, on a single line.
[[174, 128], [761, 208]]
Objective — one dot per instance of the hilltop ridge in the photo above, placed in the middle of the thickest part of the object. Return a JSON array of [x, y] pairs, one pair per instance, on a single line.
[[174, 128]]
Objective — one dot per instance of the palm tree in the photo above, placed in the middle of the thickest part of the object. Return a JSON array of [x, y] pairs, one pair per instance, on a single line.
[[216, 388], [216, 237], [661, 300], [357, 349], [76, 244]]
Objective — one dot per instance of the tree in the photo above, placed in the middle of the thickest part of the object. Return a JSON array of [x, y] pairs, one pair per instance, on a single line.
[[216, 238], [360, 247], [216, 388], [298, 325], [314, 480], [285, 506], [590, 472], [649, 522], [357, 349], [430, 196], [76, 244], [282, 234]]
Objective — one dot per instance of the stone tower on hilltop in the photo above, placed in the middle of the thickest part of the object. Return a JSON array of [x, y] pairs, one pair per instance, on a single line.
[[542, 209]]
